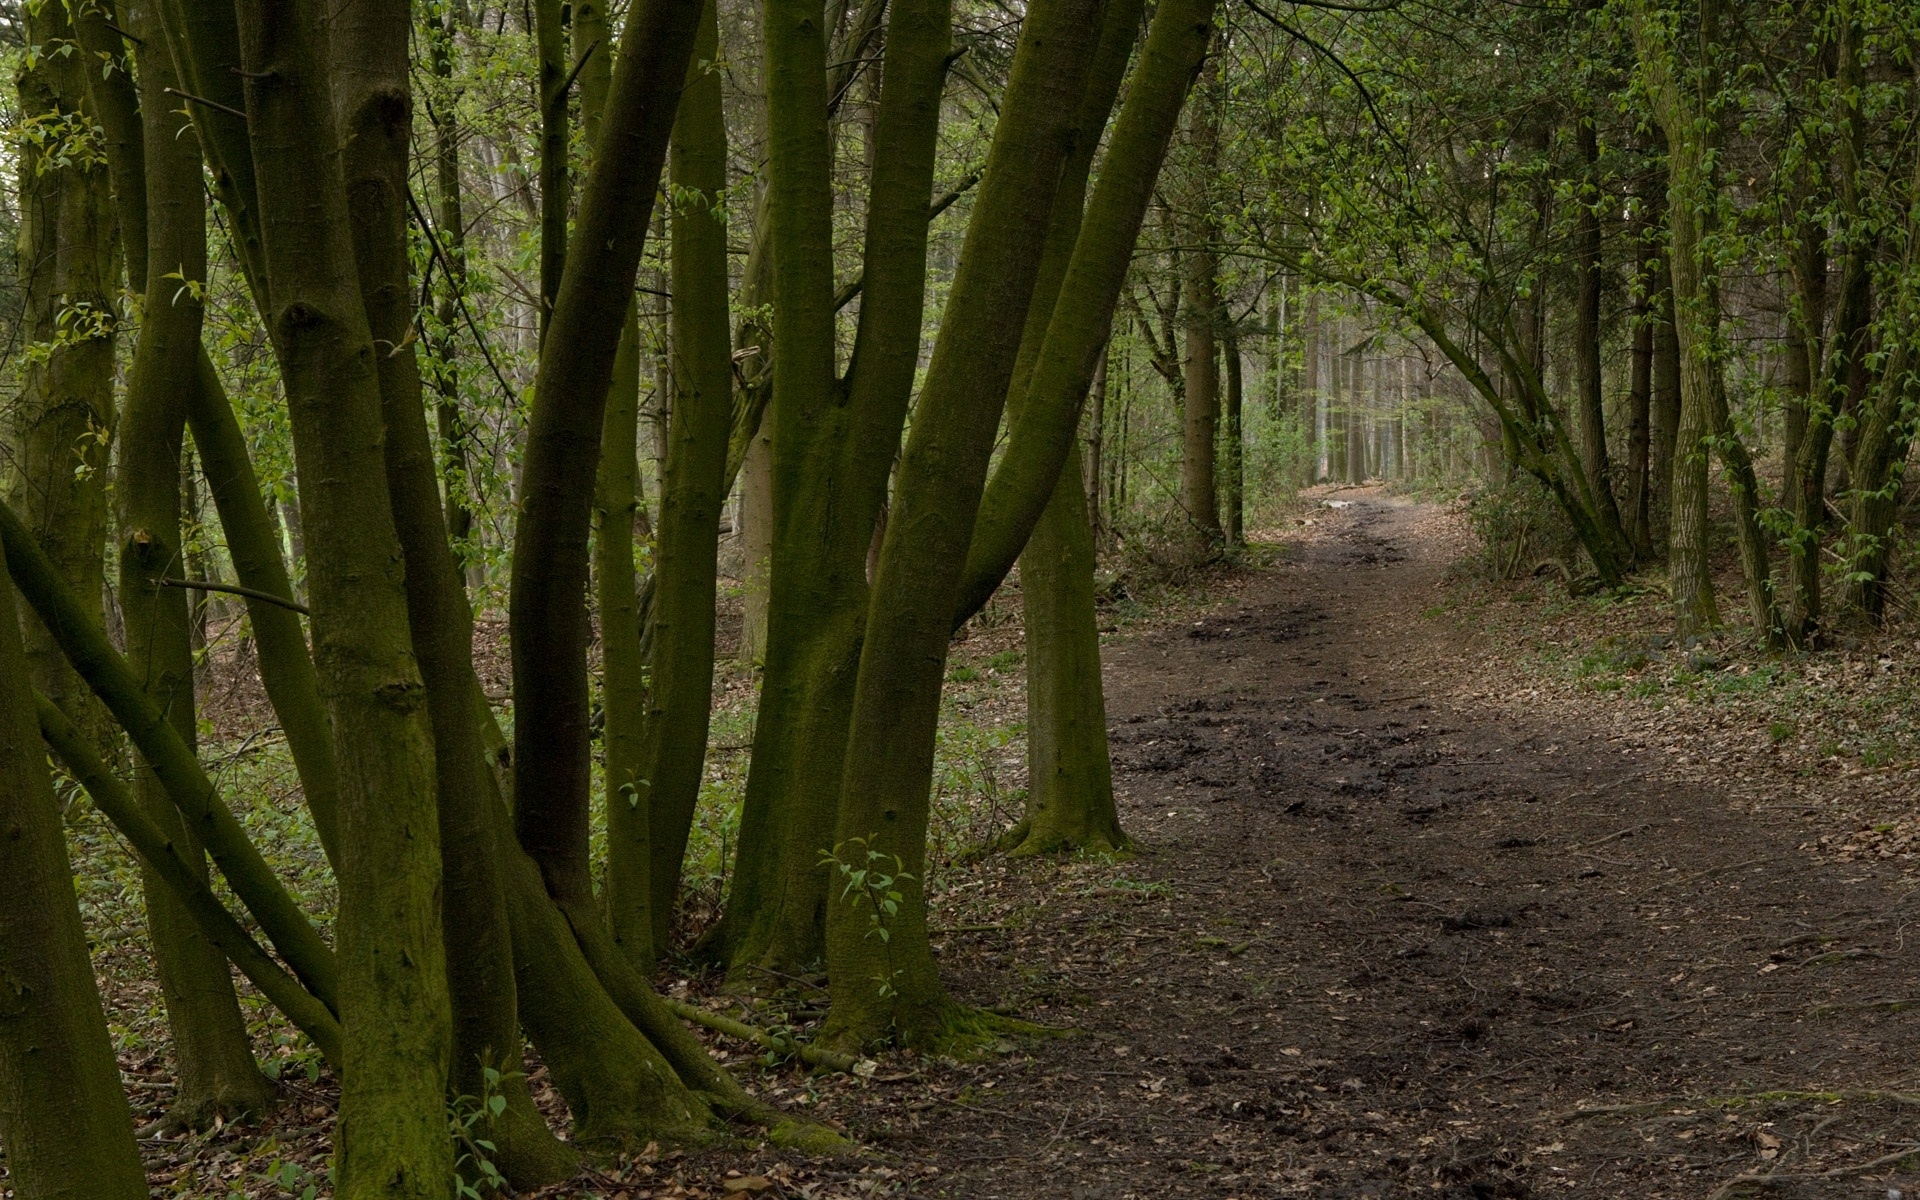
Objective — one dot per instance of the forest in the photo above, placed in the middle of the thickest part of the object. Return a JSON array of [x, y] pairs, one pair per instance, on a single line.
[[952, 597]]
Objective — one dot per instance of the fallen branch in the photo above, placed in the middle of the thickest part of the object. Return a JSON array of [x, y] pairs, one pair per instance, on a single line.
[[781, 1043]]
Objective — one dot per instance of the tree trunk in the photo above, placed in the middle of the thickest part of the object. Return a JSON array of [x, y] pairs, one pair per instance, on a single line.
[[618, 514], [891, 984], [756, 543], [1044, 426], [109, 677], [1236, 449], [833, 445], [218, 1079], [1639, 516], [1199, 498], [455, 437], [392, 1135], [63, 1115], [548, 619], [694, 487], [1586, 347], [374, 113], [1070, 804], [60, 429]]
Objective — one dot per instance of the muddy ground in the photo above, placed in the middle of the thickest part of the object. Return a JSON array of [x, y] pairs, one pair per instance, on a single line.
[[1382, 939], [1379, 942]]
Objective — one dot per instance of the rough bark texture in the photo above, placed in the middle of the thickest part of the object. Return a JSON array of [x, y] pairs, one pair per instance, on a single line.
[[392, 1138], [889, 984], [63, 1115]]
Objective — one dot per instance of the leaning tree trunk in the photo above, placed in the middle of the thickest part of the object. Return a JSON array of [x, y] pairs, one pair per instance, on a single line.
[[548, 618], [218, 1079], [1070, 795], [1043, 427], [890, 984], [63, 1116]]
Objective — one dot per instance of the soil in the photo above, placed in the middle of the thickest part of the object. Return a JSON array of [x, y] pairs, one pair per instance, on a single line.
[[1385, 935], [1384, 941]]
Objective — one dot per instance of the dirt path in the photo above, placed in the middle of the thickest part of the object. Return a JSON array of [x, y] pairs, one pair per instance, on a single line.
[[1380, 944]]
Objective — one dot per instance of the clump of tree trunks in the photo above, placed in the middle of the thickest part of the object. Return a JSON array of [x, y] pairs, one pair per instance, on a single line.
[[470, 924]]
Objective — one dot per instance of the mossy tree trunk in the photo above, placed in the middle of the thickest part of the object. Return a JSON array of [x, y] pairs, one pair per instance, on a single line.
[[1070, 804], [60, 428], [392, 1136], [374, 104], [888, 984], [694, 486], [1683, 101], [549, 617], [833, 444], [63, 1115], [1043, 425], [217, 1077]]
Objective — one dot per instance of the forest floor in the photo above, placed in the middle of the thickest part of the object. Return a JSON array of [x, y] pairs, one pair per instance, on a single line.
[[1418, 908]]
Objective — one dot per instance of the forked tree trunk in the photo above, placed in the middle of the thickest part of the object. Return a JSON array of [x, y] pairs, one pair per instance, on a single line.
[[218, 1079], [1070, 791], [890, 984], [375, 113], [63, 1115], [1043, 426], [831, 453], [1705, 423]]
